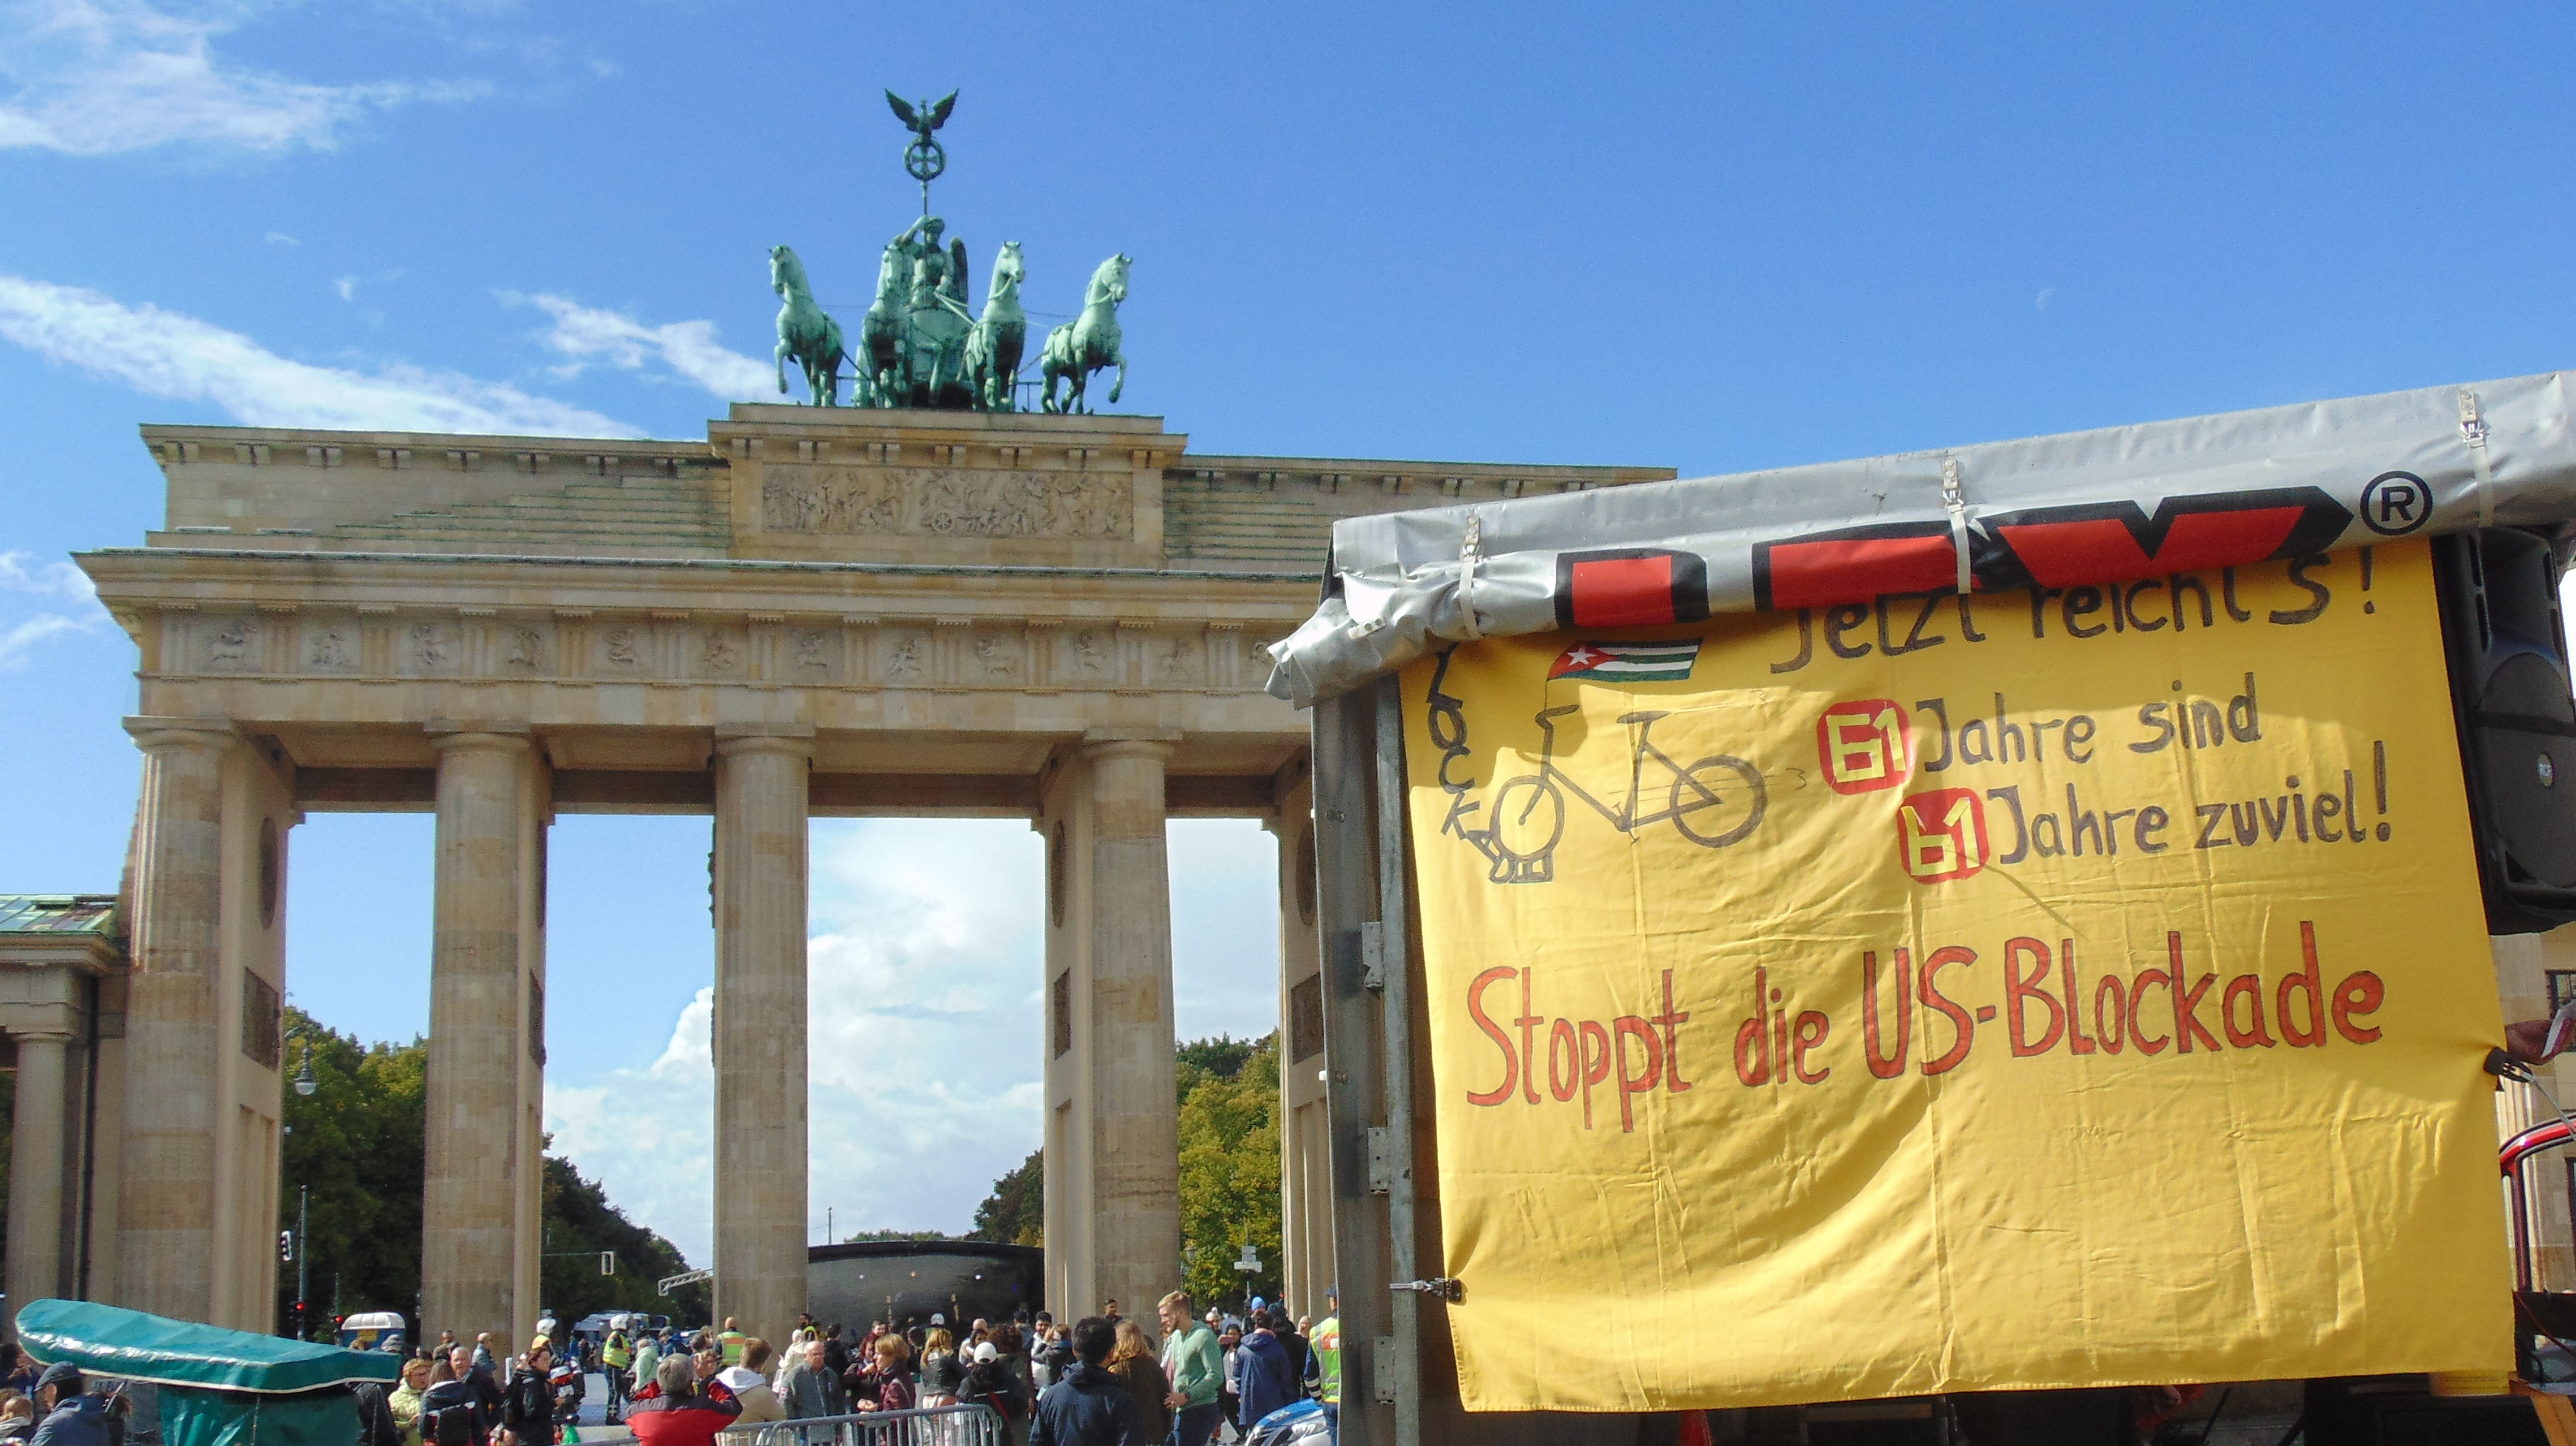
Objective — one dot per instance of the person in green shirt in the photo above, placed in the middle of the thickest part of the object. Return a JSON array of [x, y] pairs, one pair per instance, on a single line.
[[729, 1341], [1196, 1365]]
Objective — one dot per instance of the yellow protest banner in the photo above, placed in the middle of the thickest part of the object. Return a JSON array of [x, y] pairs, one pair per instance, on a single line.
[[2063, 988]]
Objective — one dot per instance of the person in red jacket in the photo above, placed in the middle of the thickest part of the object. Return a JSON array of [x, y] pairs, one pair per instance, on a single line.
[[672, 1412]]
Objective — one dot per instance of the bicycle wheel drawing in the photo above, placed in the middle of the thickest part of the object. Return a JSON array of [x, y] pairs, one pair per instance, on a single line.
[[1528, 818], [1718, 801]]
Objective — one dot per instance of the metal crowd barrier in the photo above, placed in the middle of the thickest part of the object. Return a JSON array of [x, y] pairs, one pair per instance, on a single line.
[[965, 1425]]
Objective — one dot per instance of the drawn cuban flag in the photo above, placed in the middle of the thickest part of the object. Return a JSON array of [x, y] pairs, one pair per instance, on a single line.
[[1628, 662]]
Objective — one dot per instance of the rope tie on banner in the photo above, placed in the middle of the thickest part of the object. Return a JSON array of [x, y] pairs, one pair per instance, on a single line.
[[1467, 559], [1956, 504], [2473, 430]]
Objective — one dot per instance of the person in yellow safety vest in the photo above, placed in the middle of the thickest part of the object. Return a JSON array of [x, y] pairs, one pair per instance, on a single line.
[[615, 1356], [1327, 1342], [729, 1341]]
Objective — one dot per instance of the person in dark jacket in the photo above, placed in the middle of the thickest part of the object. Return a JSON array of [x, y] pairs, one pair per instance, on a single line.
[[451, 1413], [376, 1424], [528, 1405], [478, 1379], [1132, 1362], [1267, 1385], [992, 1382], [65, 1416], [1087, 1406], [1300, 1355]]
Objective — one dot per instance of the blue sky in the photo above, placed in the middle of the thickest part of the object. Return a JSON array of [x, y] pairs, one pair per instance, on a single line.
[[1711, 237]]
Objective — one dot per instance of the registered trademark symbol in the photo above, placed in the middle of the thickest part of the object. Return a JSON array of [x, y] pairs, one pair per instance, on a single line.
[[2396, 503]]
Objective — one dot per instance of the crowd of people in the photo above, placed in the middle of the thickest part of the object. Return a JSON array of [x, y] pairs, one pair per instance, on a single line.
[[1104, 1380]]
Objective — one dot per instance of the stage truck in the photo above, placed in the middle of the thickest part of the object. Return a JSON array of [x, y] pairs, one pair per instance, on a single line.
[[2034, 942]]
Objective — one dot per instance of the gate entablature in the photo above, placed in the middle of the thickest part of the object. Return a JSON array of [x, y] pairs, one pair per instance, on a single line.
[[1056, 618]]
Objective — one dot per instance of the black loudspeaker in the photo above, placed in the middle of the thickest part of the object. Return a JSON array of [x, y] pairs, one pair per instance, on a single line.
[[2517, 721]]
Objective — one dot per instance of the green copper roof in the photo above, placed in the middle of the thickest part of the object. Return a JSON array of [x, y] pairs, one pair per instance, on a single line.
[[111, 1341], [59, 914]]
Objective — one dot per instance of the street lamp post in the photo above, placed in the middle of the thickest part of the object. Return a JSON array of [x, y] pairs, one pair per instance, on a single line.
[[305, 1085], [303, 1252]]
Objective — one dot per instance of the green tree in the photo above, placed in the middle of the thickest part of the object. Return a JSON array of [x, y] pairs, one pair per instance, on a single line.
[[356, 1145], [581, 1225], [1229, 1176], [1229, 1170], [1015, 1213]]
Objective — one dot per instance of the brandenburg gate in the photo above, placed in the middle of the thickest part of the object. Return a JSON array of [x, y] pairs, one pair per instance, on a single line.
[[815, 611]]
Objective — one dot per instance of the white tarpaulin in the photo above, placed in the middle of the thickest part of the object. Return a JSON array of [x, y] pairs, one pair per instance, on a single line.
[[2083, 507]]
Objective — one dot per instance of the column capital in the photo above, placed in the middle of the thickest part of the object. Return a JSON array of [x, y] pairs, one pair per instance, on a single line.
[[1156, 743], [156, 735], [793, 740], [478, 736]]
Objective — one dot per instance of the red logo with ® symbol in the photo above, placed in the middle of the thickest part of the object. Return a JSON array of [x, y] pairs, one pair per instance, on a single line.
[[1942, 835], [1863, 746]]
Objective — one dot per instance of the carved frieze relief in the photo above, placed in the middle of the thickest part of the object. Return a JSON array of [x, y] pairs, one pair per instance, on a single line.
[[947, 502], [767, 650]]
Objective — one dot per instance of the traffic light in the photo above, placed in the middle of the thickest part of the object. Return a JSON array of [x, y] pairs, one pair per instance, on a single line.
[[608, 1262], [286, 1247]]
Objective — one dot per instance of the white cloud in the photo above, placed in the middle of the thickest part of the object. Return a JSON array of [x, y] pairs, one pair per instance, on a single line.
[[167, 354], [92, 77], [923, 1081], [280, 238], [59, 580], [586, 334], [926, 969]]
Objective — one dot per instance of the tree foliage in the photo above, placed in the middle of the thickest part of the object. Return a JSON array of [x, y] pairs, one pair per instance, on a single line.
[[1015, 1213], [1229, 1165], [1229, 1171], [580, 1224], [356, 1144]]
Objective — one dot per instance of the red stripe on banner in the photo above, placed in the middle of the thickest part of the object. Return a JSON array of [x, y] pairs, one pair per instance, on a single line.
[[2064, 554], [1820, 574], [1623, 592]]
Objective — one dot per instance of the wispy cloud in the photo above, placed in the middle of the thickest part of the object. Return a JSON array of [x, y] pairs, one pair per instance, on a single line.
[[585, 335], [280, 238], [93, 77], [57, 581], [167, 354]]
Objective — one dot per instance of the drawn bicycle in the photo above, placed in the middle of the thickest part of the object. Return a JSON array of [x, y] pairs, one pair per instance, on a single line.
[[1714, 802]]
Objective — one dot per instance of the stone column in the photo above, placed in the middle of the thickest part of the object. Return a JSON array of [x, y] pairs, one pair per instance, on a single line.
[[36, 1170], [1305, 1176], [761, 801], [469, 1201], [166, 1204], [1136, 1219]]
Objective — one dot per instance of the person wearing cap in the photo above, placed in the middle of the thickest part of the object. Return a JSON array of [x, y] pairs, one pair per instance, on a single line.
[[65, 1416], [528, 1402], [991, 1382]]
